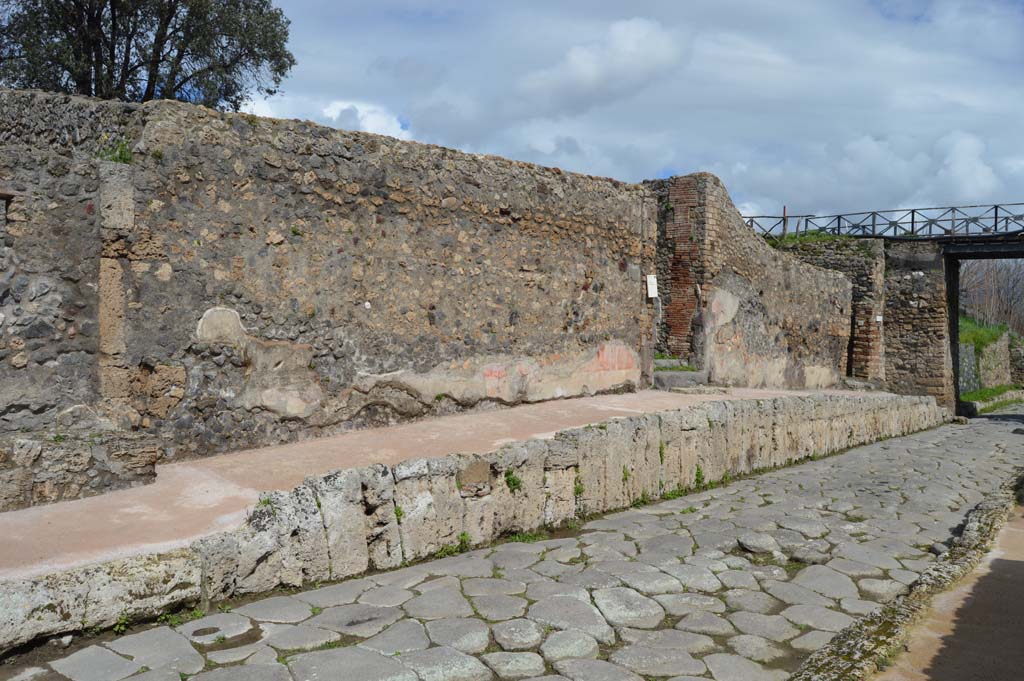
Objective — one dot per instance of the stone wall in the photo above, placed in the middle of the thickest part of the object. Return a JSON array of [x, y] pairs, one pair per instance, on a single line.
[[968, 380], [863, 261], [736, 307], [1017, 364], [994, 363], [918, 358], [347, 522], [247, 281]]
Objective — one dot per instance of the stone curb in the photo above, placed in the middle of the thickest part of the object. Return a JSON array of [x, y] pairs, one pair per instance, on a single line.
[[348, 522], [855, 653], [974, 409]]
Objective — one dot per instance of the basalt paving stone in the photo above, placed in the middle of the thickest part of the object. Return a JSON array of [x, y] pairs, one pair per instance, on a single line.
[[386, 596], [519, 634], [648, 661], [256, 672], [565, 645], [160, 648], [347, 664], [297, 637], [563, 612], [514, 665], [755, 648], [401, 637], [672, 578], [626, 607], [464, 634], [817, 617], [95, 664], [594, 670], [498, 608], [357, 619], [445, 664], [443, 603], [210, 629], [672, 639]]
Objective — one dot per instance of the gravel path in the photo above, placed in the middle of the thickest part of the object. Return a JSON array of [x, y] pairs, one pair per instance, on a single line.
[[737, 583]]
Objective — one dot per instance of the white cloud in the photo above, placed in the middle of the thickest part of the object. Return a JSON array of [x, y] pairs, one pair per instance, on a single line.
[[365, 117], [627, 58], [823, 107]]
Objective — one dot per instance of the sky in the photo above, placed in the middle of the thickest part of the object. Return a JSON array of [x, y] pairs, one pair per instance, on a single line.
[[824, 106]]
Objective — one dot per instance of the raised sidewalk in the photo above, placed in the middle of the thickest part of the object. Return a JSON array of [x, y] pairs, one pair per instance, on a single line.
[[249, 521]]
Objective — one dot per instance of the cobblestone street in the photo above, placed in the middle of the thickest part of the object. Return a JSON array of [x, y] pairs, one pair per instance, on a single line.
[[736, 583]]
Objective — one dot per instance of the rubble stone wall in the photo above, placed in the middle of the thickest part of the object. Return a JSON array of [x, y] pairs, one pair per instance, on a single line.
[[350, 521], [748, 314], [1017, 364], [192, 282], [863, 261], [918, 356], [994, 367], [968, 376]]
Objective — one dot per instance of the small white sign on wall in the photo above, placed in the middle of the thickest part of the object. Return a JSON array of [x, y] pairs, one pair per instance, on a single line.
[[652, 285]]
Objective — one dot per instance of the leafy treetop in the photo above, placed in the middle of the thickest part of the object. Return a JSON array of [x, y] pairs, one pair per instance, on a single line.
[[218, 53]]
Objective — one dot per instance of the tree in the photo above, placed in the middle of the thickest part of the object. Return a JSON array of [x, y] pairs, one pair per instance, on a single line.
[[213, 52], [992, 291]]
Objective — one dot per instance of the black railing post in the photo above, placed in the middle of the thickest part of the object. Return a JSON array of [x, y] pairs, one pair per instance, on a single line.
[[995, 223]]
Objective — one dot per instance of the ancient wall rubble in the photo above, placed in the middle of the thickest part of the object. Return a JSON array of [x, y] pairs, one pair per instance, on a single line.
[[245, 281], [738, 308], [994, 367], [968, 379], [344, 523], [918, 356], [863, 261], [900, 326], [1017, 364]]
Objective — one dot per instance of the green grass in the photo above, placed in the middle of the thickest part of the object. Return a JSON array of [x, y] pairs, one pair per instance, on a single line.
[[121, 152], [814, 237], [528, 537], [995, 406], [986, 394], [681, 367], [979, 334]]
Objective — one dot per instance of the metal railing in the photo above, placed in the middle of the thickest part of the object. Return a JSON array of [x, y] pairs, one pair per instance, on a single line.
[[909, 223]]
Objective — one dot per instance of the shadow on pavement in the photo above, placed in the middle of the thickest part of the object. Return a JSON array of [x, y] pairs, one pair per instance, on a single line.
[[987, 643]]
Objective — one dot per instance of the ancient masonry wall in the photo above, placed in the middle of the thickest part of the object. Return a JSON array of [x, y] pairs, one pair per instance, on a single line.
[[246, 281], [994, 368], [350, 521], [918, 359], [747, 313], [1017, 365], [968, 363], [863, 261]]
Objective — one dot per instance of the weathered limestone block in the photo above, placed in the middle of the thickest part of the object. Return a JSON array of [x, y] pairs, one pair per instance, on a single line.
[[427, 493], [30, 608], [517, 485], [220, 558], [646, 443], [339, 495], [559, 495], [301, 536], [141, 585], [96, 596], [383, 539], [592, 447]]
